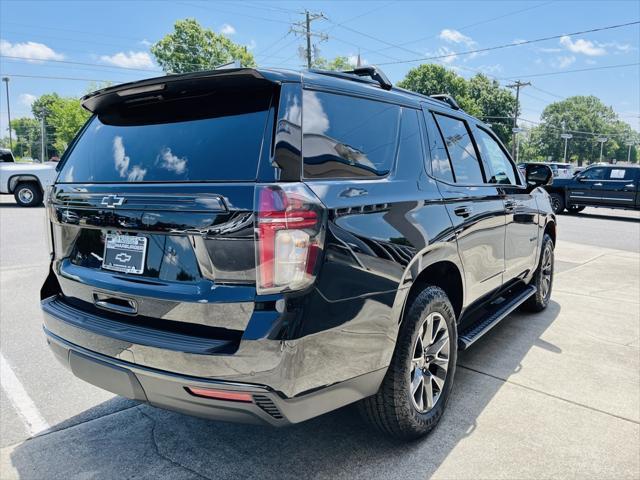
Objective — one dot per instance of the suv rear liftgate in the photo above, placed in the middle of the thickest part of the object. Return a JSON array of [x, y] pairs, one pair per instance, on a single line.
[[172, 248]]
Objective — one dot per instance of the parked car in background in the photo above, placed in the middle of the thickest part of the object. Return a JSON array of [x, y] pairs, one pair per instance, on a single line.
[[561, 170], [265, 246], [605, 185], [25, 181]]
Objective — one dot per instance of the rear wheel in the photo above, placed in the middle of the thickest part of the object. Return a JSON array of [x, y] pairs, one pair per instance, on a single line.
[[542, 279], [415, 390], [557, 203], [28, 194]]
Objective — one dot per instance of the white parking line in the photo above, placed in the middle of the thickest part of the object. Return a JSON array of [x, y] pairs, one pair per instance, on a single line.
[[20, 399]]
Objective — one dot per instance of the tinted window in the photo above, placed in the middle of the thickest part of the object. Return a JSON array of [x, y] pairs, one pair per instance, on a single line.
[[466, 168], [501, 168], [410, 149], [210, 137], [6, 157], [618, 174], [347, 137], [596, 173], [440, 165]]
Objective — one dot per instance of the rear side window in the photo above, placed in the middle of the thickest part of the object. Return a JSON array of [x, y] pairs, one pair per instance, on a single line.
[[440, 165], [502, 170], [348, 137], [464, 159], [619, 174], [212, 137]]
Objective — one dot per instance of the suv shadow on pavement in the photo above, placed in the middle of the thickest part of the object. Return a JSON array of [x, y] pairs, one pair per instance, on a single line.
[[144, 442]]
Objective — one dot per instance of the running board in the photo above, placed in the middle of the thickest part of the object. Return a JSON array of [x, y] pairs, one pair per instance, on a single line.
[[497, 314]]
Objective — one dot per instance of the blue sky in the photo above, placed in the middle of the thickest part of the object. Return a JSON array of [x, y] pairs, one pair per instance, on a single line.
[[116, 34]]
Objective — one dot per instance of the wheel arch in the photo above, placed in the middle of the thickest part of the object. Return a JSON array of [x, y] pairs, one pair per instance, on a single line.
[[439, 266], [21, 177]]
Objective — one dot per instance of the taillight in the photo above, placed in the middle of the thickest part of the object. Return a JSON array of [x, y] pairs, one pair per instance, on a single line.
[[289, 229]]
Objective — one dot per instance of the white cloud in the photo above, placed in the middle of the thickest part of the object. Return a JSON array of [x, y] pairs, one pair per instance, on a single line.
[[172, 162], [251, 45], [450, 55], [564, 61], [27, 99], [120, 159], [227, 29], [585, 47], [30, 50], [146, 42], [454, 36], [136, 174], [129, 59], [353, 60]]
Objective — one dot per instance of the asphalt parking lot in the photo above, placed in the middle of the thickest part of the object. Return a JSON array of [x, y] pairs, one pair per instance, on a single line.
[[555, 394]]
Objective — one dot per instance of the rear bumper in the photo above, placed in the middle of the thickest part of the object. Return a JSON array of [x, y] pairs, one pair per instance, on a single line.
[[168, 390]]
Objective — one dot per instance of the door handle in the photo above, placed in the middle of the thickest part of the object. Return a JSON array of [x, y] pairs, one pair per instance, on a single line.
[[597, 184], [463, 212], [510, 205], [629, 185]]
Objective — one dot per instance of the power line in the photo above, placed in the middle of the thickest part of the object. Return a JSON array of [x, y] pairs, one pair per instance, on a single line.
[[466, 27], [512, 44], [603, 67], [48, 77], [69, 62]]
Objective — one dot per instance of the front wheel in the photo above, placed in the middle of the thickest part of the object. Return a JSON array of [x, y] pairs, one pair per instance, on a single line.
[[542, 279], [28, 194], [557, 203], [415, 390]]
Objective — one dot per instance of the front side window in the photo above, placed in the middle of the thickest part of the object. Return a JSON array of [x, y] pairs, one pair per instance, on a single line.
[[594, 173], [464, 159], [347, 136], [501, 168]]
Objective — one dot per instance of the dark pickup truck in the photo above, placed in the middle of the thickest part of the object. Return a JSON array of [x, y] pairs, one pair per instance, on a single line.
[[611, 186]]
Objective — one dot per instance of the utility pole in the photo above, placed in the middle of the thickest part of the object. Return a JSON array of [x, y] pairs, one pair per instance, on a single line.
[[304, 28], [629, 144], [43, 141], [6, 82], [602, 141], [566, 137], [517, 85]]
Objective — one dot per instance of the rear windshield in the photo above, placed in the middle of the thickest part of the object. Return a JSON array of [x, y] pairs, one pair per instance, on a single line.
[[209, 137]]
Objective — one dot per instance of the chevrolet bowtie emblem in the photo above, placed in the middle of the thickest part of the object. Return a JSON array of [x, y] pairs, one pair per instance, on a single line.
[[112, 201]]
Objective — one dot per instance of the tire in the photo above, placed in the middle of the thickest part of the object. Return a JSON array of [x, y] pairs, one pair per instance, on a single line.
[[557, 203], [544, 273], [575, 209], [394, 410], [28, 194]]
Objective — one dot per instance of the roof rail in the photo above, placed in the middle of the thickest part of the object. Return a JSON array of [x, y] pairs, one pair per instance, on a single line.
[[448, 99], [372, 72]]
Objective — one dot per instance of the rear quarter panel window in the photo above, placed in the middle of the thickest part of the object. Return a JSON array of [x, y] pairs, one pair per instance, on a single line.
[[502, 170], [440, 164], [348, 137]]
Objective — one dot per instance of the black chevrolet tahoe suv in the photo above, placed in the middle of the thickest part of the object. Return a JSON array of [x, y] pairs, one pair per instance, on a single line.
[[610, 186], [266, 246]]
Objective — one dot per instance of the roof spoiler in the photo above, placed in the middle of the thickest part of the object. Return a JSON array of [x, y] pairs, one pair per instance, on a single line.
[[448, 99], [157, 87]]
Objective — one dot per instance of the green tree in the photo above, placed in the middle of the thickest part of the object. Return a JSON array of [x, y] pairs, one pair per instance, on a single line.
[[27, 137], [478, 96], [583, 114], [41, 110], [67, 117], [496, 104], [337, 64], [191, 48]]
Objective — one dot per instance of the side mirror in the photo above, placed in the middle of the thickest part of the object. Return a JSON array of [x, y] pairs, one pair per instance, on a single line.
[[538, 175], [580, 177]]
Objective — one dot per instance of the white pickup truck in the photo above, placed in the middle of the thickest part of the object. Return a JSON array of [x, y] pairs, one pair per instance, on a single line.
[[26, 181]]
